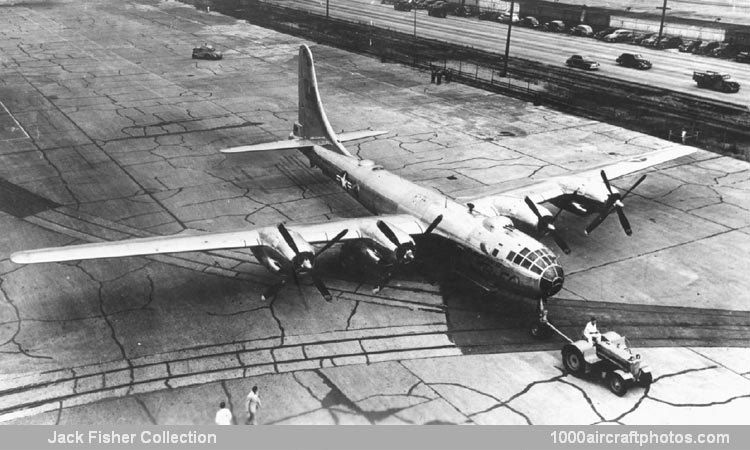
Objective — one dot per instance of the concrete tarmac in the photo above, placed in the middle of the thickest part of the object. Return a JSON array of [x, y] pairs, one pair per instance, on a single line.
[[109, 130]]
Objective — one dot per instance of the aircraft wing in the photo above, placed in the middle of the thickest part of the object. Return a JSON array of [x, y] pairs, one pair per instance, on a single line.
[[551, 188], [312, 233]]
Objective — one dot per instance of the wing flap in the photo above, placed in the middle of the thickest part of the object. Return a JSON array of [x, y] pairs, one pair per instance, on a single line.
[[289, 144]]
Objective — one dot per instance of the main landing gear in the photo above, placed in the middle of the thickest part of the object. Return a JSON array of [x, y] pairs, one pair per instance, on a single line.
[[540, 327]]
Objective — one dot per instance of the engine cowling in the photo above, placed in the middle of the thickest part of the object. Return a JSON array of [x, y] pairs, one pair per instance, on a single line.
[[278, 256], [366, 256], [518, 211]]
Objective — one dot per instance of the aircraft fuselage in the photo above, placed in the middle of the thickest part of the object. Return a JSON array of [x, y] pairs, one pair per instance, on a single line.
[[503, 256]]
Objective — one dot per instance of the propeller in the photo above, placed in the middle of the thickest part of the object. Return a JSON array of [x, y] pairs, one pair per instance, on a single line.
[[614, 203], [303, 261], [546, 225], [400, 254]]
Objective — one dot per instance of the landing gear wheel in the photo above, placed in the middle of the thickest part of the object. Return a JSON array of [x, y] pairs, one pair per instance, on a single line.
[[539, 330], [573, 360], [616, 384], [646, 379]]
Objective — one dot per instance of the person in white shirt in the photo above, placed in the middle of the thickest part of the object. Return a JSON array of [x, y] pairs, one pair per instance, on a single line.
[[223, 415], [590, 332], [252, 403]]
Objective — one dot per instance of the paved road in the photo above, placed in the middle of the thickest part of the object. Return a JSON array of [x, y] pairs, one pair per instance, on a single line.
[[671, 69]]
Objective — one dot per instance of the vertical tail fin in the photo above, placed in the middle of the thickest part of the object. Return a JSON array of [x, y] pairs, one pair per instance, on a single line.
[[312, 123]]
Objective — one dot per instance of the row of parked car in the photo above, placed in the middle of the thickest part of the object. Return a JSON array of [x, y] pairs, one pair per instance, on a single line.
[[440, 8]]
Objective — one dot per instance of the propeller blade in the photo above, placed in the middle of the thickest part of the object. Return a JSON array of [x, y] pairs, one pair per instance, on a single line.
[[560, 242], [322, 288], [388, 232], [640, 180], [532, 207], [606, 182], [623, 220], [434, 224], [333, 241], [273, 290], [598, 221], [288, 238]]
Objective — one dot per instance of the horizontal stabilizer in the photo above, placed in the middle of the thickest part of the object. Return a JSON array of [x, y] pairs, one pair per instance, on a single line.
[[354, 135], [289, 144]]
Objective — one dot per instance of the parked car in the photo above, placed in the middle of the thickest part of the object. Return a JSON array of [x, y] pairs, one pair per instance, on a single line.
[[689, 46], [556, 26], [438, 9], [669, 42], [649, 41], [605, 32], [529, 21], [633, 60], [743, 57], [706, 47], [489, 14], [403, 5], [582, 62], [505, 17], [464, 11], [716, 82], [582, 30], [637, 37], [206, 51], [618, 36]]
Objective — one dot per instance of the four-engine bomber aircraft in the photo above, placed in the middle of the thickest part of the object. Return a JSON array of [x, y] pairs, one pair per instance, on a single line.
[[491, 250]]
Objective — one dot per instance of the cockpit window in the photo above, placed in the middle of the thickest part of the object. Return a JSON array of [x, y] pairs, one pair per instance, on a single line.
[[524, 252], [526, 263], [511, 255], [517, 259], [536, 270]]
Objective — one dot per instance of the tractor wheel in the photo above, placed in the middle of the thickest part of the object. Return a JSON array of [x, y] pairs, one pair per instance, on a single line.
[[573, 360], [646, 379], [616, 384], [539, 330]]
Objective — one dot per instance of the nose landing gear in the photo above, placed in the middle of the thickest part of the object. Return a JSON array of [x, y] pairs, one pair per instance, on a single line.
[[540, 327]]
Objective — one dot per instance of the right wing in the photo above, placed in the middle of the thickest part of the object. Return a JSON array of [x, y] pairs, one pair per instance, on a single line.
[[312, 233]]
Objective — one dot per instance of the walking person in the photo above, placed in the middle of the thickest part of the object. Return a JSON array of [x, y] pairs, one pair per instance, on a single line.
[[223, 415], [252, 403]]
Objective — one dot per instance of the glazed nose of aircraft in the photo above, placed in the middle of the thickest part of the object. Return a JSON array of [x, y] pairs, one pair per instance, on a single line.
[[552, 280]]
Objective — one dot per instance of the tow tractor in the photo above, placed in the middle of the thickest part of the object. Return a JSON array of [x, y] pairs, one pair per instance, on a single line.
[[716, 81], [610, 358]]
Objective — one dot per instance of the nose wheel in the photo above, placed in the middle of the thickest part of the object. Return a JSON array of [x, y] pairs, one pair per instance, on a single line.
[[540, 328]]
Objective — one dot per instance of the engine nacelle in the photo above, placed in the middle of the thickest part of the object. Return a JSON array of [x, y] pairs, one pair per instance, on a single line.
[[366, 256], [519, 212], [277, 256], [372, 232]]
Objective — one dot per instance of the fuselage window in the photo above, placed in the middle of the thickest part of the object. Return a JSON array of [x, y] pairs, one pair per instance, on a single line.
[[495, 252]]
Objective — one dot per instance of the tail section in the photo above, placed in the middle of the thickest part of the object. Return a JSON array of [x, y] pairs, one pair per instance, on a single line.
[[313, 124], [312, 127]]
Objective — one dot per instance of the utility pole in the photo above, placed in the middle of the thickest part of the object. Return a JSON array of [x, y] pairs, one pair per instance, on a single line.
[[663, 13], [415, 20], [328, 0], [507, 39]]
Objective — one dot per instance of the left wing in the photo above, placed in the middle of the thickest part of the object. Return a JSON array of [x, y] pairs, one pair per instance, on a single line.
[[554, 187], [357, 228]]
